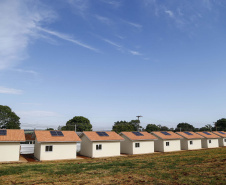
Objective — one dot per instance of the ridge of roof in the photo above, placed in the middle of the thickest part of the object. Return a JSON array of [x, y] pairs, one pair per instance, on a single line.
[[133, 137], [193, 136], [93, 136], [172, 135], [220, 134], [211, 136], [45, 136]]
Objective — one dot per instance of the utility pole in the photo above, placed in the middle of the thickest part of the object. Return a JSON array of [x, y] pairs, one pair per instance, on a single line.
[[139, 117]]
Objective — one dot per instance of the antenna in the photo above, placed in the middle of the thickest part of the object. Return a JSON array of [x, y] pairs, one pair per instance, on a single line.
[[139, 117]]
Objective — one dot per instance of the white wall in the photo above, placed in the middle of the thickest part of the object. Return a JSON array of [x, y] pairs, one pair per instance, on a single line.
[[160, 145], [185, 144], [145, 147], [109, 148], [60, 151], [37, 150], [86, 147], [222, 141], [9, 151], [126, 145], [214, 143]]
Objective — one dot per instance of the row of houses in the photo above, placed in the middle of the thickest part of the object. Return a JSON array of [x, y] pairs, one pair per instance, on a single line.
[[60, 145]]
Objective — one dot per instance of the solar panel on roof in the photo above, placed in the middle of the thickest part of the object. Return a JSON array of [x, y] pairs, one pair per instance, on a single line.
[[56, 133], [188, 133], [207, 133], [3, 132], [221, 132], [102, 133], [166, 133], [137, 133]]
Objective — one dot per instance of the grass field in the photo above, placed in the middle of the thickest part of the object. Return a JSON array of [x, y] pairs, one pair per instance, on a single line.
[[187, 167]]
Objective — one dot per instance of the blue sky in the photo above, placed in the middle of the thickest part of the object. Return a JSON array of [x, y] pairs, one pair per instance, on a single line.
[[111, 60]]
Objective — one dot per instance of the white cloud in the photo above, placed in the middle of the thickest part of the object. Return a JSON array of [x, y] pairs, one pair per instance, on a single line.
[[67, 38], [113, 3], [134, 52], [138, 26], [18, 25], [25, 71], [81, 6], [104, 20], [170, 13], [5, 90], [112, 43], [37, 113]]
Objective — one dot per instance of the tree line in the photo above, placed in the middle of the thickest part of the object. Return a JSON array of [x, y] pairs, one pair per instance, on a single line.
[[9, 120]]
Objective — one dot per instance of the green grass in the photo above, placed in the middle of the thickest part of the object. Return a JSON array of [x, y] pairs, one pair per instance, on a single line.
[[186, 167]]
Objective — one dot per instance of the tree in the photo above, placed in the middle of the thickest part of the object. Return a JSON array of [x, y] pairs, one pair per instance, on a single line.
[[8, 119], [221, 124], [50, 129], [152, 127], [184, 127], [121, 126], [82, 124]]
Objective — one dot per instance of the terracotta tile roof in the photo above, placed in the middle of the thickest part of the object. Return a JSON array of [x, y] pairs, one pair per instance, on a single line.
[[45, 136], [13, 135], [219, 133], [211, 136], [193, 136], [171, 136], [133, 137], [29, 137], [112, 136]]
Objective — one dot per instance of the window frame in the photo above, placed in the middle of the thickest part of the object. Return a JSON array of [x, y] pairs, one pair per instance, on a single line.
[[98, 146], [191, 142], [210, 141], [48, 147], [137, 145], [225, 140], [167, 143]]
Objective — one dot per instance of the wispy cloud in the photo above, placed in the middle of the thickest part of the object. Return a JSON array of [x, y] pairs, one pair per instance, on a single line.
[[135, 25], [68, 38], [134, 52], [18, 26], [112, 43], [104, 20], [25, 71], [113, 3], [170, 13], [81, 6], [5, 90], [38, 113]]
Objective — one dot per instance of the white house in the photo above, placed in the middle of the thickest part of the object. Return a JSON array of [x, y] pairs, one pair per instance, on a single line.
[[222, 139], [55, 145], [210, 139], [28, 146], [190, 141], [10, 144], [100, 144], [167, 141], [137, 142]]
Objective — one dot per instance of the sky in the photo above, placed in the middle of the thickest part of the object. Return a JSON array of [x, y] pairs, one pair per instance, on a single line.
[[112, 60]]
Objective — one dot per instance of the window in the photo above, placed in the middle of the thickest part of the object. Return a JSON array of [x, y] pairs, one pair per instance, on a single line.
[[191, 142], [137, 145], [224, 140], [99, 147], [49, 148], [209, 141], [167, 143]]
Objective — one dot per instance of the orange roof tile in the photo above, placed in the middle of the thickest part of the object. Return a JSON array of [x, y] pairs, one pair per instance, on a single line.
[[133, 137], [219, 133], [171, 136], [193, 136], [13, 135], [211, 136], [45, 136], [112, 136]]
